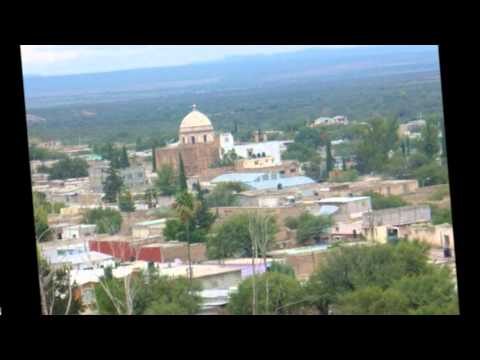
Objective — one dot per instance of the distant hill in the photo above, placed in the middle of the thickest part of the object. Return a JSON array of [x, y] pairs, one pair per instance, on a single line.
[[233, 73]]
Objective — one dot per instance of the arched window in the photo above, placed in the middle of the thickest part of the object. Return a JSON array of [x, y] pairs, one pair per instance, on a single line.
[[184, 140], [204, 138], [193, 139]]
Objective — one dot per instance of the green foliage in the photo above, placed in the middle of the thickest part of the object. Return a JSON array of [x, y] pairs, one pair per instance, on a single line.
[[41, 209], [112, 185], [123, 159], [204, 218], [329, 160], [380, 201], [284, 295], [372, 150], [228, 159], [313, 168], [291, 222], [125, 202], [440, 194], [182, 177], [224, 194], [37, 153], [300, 152], [311, 227], [431, 174], [107, 220], [343, 176], [166, 182], [282, 268], [167, 296], [441, 215], [231, 238], [66, 169], [310, 137], [429, 143], [364, 279]]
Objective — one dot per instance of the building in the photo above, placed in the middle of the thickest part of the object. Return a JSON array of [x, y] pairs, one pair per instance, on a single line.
[[78, 231], [209, 276], [411, 129], [148, 228], [244, 264], [264, 181], [327, 121], [77, 257], [133, 176], [389, 224], [342, 209], [198, 145]]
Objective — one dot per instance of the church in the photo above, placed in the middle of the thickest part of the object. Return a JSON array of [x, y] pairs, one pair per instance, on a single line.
[[200, 147], [197, 144]]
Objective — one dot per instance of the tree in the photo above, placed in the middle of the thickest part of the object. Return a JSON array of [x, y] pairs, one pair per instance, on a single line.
[[372, 150], [150, 197], [429, 141], [311, 227], [224, 194], [284, 295], [431, 174], [123, 160], [313, 168], [125, 201], [344, 164], [347, 269], [182, 178], [380, 201], [154, 159], [57, 290], [282, 268], [67, 168], [329, 160], [204, 218], [343, 176], [106, 220], [112, 185], [166, 182]]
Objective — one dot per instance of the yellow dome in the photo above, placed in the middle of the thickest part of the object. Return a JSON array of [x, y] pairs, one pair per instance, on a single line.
[[195, 119]]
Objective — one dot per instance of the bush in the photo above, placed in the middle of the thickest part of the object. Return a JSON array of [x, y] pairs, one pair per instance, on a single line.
[[67, 168], [380, 201], [224, 194], [282, 268], [284, 292], [431, 174], [291, 222], [107, 220], [440, 194], [311, 227], [441, 216], [343, 176]]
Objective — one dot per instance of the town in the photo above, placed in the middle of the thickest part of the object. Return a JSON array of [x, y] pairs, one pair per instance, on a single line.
[[233, 227]]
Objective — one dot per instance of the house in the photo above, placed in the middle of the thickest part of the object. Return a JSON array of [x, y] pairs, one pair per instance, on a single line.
[[264, 181], [327, 121], [209, 276], [244, 264], [78, 231], [148, 228], [389, 224], [342, 209], [132, 176], [77, 257]]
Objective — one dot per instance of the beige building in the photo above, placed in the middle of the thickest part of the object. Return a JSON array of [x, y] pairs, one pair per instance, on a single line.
[[148, 228]]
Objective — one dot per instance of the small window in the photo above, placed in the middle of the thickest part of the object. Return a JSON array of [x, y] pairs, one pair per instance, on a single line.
[[184, 140], [193, 139], [204, 138]]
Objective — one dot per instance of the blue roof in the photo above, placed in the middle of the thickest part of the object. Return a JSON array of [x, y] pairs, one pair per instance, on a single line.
[[238, 177], [263, 181], [286, 182]]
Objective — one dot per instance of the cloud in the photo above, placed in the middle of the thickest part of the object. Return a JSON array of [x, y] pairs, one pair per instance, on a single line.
[[74, 59], [46, 54]]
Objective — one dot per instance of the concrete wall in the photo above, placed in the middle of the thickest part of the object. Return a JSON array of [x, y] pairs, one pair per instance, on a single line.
[[221, 281], [397, 216], [304, 265]]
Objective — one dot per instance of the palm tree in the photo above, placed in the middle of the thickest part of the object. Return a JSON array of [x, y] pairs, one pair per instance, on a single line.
[[186, 207]]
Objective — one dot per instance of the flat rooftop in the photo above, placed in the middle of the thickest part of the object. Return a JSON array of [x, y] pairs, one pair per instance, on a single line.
[[343, 199], [299, 250], [199, 271]]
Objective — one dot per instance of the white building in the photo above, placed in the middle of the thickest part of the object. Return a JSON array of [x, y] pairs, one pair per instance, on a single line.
[[78, 231], [325, 121]]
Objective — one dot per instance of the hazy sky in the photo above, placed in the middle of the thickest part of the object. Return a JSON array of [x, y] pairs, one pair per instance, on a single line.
[[76, 59]]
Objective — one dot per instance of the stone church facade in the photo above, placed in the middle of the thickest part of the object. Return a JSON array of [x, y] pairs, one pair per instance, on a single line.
[[198, 145]]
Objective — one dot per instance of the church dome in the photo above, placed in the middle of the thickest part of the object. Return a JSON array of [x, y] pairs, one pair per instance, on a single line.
[[195, 120]]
